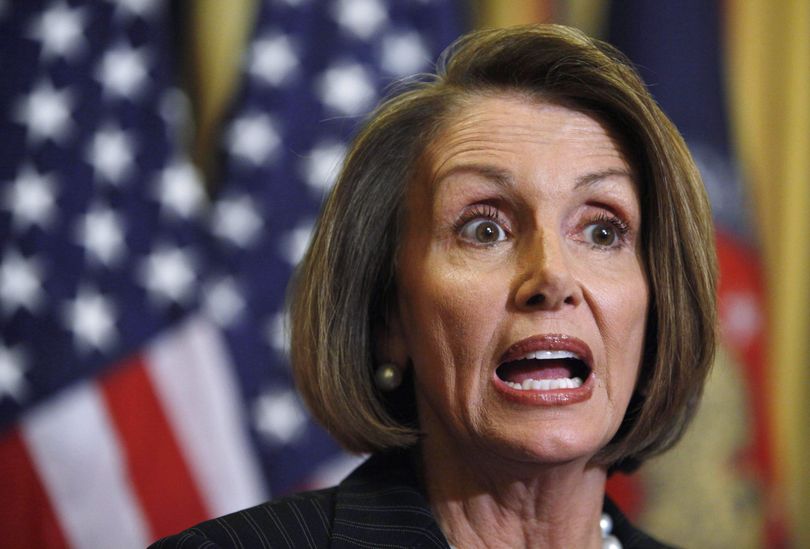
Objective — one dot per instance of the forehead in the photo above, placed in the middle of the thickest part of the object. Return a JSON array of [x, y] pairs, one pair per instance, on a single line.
[[516, 132], [484, 122]]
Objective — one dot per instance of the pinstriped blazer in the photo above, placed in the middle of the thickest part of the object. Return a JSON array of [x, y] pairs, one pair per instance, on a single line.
[[380, 505]]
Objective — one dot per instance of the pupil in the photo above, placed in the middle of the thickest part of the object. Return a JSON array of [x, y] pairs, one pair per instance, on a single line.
[[604, 235], [487, 232]]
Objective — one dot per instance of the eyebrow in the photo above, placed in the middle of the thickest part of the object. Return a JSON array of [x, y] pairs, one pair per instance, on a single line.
[[506, 180], [591, 178], [499, 176]]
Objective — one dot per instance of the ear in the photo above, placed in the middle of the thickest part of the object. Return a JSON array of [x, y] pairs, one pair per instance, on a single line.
[[389, 339]]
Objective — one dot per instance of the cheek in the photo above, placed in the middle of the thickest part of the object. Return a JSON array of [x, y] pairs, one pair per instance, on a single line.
[[448, 319], [439, 318], [624, 324]]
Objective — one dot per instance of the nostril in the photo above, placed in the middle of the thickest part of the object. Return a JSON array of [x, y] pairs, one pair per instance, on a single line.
[[569, 300], [536, 299]]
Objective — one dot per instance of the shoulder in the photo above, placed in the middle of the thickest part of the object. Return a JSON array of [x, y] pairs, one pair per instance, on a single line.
[[379, 505], [300, 520]]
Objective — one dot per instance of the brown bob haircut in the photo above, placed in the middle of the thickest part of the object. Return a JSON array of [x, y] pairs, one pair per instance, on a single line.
[[346, 283]]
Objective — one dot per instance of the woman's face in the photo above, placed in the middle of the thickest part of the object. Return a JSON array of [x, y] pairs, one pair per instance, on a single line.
[[522, 298]]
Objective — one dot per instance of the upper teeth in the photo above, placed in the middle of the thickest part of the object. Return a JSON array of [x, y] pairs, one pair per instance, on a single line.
[[549, 355], [546, 384]]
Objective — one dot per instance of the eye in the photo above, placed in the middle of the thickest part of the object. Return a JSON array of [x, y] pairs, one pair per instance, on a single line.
[[483, 231], [605, 233], [600, 234]]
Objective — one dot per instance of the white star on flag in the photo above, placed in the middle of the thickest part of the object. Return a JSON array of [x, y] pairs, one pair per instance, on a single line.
[[294, 244], [91, 318], [100, 233], [135, 8], [122, 71], [236, 220], [362, 18], [174, 108], [279, 416], [404, 54], [278, 333], [30, 199], [168, 274], [253, 138], [741, 316], [20, 283], [347, 88], [60, 31], [320, 167], [273, 59], [111, 154], [46, 113], [222, 301], [12, 380], [179, 190]]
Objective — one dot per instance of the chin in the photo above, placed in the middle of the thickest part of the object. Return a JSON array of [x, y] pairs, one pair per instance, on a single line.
[[545, 446]]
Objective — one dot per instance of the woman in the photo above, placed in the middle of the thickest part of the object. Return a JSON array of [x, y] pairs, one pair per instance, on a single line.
[[509, 296]]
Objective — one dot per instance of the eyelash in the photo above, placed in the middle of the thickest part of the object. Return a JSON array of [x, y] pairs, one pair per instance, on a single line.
[[480, 211]]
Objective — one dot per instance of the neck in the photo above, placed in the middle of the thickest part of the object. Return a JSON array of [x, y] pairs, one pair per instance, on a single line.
[[482, 502]]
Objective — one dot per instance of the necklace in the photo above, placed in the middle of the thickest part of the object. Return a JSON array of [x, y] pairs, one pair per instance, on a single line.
[[609, 541]]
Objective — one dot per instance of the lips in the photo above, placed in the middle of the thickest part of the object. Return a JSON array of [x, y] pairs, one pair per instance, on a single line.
[[548, 369]]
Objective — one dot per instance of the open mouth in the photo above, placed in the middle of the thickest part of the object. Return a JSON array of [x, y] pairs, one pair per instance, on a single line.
[[545, 370]]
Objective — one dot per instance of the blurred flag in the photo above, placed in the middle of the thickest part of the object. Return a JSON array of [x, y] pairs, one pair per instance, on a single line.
[[121, 415], [713, 490], [143, 384], [312, 70]]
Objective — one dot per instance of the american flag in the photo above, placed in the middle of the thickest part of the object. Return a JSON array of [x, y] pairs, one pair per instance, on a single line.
[[143, 376]]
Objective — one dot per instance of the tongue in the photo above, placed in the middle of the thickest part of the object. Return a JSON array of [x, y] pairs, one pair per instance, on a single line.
[[534, 369]]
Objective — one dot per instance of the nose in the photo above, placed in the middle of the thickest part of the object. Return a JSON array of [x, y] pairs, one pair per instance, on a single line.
[[545, 280]]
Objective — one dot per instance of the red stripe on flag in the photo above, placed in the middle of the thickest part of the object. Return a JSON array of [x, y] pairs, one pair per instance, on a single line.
[[161, 478], [627, 491], [26, 516], [742, 277]]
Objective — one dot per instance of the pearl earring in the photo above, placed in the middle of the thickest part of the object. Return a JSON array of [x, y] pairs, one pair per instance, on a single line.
[[388, 376]]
